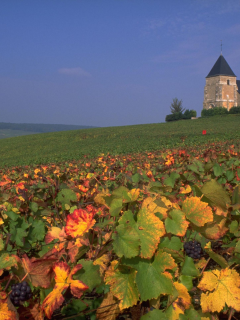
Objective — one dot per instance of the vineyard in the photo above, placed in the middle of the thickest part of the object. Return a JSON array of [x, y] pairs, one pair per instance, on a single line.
[[135, 235], [56, 147]]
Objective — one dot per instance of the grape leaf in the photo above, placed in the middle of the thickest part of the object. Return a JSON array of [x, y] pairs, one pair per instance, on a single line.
[[157, 205], [65, 196], [216, 194], [89, 274], [37, 270], [154, 315], [182, 302], [7, 309], [79, 222], [7, 261], [64, 279], [55, 233], [32, 312], [223, 287], [176, 223], [196, 211], [122, 284], [152, 278], [188, 268], [149, 228], [126, 240], [109, 308], [102, 262]]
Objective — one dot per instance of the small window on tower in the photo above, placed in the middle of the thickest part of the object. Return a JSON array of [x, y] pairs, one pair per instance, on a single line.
[[228, 81]]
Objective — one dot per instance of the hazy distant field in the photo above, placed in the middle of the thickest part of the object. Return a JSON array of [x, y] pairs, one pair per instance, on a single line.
[[8, 133], [62, 146]]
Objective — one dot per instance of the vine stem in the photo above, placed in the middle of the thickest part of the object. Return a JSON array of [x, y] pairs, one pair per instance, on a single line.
[[205, 267], [8, 283], [230, 314], [7, 240]]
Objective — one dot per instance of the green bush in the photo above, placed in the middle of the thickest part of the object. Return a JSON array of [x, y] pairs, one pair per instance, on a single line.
[[234, 110], [214, 112], [174, 116], [188, 114]]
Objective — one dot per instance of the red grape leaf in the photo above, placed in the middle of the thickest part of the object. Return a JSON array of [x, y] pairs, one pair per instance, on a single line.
[[79, 222], [38, 270]]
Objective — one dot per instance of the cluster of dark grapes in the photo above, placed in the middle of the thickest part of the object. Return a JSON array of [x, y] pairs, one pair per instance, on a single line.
[[193, 249], [20, 292]]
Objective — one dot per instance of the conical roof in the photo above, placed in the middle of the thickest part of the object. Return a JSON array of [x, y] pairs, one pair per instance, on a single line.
[[221, 68]]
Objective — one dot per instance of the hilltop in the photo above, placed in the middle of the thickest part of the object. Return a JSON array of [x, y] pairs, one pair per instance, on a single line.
[[67, 145], [8, 130]]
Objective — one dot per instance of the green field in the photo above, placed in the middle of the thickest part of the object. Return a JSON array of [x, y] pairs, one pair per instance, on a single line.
[[68, 145]]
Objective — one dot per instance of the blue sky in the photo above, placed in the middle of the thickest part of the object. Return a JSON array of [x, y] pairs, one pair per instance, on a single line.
[[110, 62]]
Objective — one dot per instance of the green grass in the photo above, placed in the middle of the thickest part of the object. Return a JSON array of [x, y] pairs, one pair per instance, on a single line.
[[68, 145]]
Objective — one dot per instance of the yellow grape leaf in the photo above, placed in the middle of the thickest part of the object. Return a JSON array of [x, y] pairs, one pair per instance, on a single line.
[[103, 262], [79, 222], [63, 279], [133, 194], [201, 263], [197, 211], [150, 229], [109, 308], [223, 287], [154, 205], [55, 233], [185, 190], [122, 281], [99, 198], [182, 302], [214, 230]]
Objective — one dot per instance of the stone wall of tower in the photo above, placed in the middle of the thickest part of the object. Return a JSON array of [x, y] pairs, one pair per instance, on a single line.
[[220, 91], [238, 98]]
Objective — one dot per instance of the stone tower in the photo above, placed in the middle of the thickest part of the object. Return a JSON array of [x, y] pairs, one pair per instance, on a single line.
[[221, 89]]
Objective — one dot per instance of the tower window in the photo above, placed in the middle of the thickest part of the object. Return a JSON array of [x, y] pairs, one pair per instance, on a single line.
[[228, 81]]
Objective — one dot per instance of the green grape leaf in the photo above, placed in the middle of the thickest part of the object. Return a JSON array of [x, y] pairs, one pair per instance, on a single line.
[[89, 274], [122, 284], [176, 223], [151, 279], [188, 268], [154, 315], [65, 196], [216, 194]]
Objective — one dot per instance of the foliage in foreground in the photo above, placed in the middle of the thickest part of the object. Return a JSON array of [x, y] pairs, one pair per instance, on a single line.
[[105, 238]]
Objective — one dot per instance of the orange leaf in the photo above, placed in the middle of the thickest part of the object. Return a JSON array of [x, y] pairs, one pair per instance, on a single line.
[[55, 233], [63, 279], [79, 222], [7, 310]]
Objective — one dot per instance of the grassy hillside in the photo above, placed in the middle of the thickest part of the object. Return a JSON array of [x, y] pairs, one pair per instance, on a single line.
[[61, 146]]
